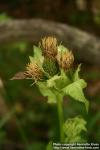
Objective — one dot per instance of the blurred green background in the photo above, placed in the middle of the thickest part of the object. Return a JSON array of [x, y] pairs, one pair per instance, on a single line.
[[27, 122]]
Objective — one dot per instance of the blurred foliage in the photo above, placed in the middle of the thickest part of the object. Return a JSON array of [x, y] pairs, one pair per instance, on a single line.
[[73, 128], [32, 112], [82, 13], [4, 17], [35, 122]]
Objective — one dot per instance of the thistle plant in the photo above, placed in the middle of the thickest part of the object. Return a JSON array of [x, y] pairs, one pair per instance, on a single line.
[[51, 69]]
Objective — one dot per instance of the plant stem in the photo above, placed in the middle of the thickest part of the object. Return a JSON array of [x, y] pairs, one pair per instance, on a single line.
[[60, 116]]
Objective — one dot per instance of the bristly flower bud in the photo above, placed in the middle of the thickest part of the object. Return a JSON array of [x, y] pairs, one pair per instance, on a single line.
[[33, 72], [50, 66], [49, 47], [65, 59]]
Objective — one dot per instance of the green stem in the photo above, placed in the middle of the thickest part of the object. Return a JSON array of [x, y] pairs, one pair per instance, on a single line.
[[60, 116]]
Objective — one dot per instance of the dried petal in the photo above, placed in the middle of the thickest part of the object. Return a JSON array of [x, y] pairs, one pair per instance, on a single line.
[[19, 76]]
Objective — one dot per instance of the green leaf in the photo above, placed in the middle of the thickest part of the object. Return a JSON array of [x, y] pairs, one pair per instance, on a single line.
[[37, 57], [37, 53], [51, 82], [76, 74], [31, 59], [45, 91], [58, 82], [75, 90], [63, 81], [73, 128], [49, 146]]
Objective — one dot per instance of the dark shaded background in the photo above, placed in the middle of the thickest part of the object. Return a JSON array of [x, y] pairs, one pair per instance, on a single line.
[[81, 13]]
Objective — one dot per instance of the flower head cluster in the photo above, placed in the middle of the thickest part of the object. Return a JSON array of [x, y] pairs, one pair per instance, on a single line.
[[63, 57], [55, 58]]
